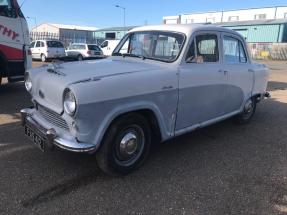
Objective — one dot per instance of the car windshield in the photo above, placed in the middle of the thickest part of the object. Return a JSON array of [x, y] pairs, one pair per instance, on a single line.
[[54, 44], [93, 47], [161, 46]]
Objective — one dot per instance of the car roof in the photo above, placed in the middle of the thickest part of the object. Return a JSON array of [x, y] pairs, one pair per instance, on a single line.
[[187, 29]]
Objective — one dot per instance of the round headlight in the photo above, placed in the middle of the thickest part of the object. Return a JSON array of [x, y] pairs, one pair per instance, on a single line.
[[28, 83], [70, 104]]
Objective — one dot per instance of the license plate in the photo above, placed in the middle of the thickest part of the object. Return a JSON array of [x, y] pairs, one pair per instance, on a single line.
[[37, 139]]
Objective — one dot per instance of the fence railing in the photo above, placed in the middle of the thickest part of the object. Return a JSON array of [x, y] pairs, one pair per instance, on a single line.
[[272, 51], [65, 39]]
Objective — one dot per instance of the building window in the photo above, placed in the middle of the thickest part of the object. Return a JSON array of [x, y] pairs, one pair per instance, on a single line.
[[188, 21], [233, 18], [260, 16], [285, 15], [210, 20]]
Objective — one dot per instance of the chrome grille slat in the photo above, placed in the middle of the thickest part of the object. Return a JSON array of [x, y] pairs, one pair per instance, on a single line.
[[53, 117]]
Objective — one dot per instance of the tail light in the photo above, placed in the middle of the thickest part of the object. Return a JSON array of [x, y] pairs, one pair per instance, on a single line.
[[89, 52]]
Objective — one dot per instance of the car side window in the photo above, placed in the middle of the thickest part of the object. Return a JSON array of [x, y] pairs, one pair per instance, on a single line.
[[190, 57], [42, 44], [207, 48], [38, 44], [204, 48], [105, 44], [7, 9], [242, 53], [233, 50], [32, 45]]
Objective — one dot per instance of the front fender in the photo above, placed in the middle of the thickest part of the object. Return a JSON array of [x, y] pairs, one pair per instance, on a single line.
[[93, 126]]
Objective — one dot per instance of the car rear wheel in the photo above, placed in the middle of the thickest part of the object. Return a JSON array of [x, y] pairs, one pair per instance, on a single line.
[[248, 112], [125, 146], [43, 58], [80, 58]]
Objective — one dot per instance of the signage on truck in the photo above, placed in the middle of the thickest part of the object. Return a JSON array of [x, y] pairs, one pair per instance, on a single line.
[[8, 32]]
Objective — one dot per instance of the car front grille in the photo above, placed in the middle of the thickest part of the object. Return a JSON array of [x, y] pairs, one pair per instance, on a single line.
[[53, 117]]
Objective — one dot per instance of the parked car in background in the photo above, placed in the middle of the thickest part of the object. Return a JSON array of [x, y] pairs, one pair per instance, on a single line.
[[172, 79], [47, 49], [108, 46], [15, 56], [81, 51]]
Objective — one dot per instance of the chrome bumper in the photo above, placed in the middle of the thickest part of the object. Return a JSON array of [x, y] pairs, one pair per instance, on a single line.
[[51, 137]]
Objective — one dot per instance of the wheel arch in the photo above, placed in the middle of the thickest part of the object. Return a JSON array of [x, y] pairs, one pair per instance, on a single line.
[[151, 113]]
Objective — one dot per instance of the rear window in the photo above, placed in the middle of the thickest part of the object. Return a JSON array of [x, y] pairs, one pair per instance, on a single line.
[[54, 44], [93, 47]]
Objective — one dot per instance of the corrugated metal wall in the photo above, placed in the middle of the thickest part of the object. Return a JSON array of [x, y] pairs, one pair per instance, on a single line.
[[262, 33]]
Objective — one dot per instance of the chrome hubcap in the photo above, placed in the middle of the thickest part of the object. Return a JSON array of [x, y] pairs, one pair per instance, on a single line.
[[248, 107], [129, 144]]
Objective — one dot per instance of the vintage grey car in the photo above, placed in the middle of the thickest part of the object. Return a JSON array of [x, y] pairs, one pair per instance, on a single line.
[[161, 82]]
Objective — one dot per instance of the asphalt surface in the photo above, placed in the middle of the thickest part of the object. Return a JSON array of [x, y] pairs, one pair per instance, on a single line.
[[221, 169]]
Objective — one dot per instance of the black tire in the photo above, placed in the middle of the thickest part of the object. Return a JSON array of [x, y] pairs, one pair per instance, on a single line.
[[248, 112], [113, 157], [43, 58], [80, 58]]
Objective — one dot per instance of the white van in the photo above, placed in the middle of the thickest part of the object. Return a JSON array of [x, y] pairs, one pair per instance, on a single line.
[[108, 46], [47, 49]]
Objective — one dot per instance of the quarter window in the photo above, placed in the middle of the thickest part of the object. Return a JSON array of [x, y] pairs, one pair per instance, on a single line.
[[233, 50]]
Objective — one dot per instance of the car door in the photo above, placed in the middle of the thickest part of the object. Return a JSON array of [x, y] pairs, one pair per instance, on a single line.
[[202, 82], [104, 47], [36, 51], [32, 47], [239, 72]]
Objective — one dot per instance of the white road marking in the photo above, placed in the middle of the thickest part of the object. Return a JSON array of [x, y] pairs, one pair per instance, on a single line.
[[14, 150]]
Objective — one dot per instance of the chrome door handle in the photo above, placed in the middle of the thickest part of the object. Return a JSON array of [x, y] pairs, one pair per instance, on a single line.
[[167, 87], [223, 71]]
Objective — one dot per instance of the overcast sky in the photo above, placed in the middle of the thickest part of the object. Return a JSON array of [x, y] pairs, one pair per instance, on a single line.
[[103, 13]]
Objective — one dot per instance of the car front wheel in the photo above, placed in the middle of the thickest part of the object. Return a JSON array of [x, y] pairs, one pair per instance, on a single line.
[[125, 146]]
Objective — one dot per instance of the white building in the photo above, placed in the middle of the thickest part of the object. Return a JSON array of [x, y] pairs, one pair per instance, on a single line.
[[229, 16], [72, 33]]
